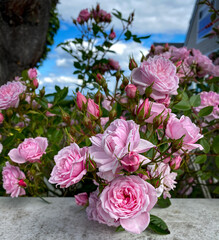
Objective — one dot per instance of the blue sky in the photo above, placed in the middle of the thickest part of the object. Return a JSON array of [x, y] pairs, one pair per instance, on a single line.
[[167, 21]]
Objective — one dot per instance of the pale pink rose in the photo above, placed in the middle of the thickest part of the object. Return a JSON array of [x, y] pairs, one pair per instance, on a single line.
[[209, 99], [167, 178], [175, 162], [32, 73], [131, 161], [34, 103], [70, 166], [112, 35], [128, 199], [35, 83], [84, 15], [93, 108], [104, 121], [30, 150], [1, 118], [179, 53], [156, 109], [95, 211], [9, 94], [204, 64], [13, 180], [107, 103], [81, 199], [159, 71], [143, 109], [131, 90], [114, 65], [116, 141], [81, 99], [176, 128], [165, 101]]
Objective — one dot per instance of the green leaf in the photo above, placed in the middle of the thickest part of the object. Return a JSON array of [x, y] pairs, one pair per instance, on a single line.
[[213, 17], [144, 37], [205, 145], [183, 105], [215, 144], [120, 229], [195, 100], [158, 225], [59, 96], [205, 111], [201, 159], [163, 203], [77, 65], [128, 35], [216, 190]]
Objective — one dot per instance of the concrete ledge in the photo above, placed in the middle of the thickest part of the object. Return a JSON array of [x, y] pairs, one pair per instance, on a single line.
[[31, 218]]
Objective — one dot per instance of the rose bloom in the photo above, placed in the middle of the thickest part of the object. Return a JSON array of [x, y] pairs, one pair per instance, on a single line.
[[128, 199], [9, 94], [92, 108], [95, 211], [179, 53], [81, 199], [209, 99], [31, 150], [114, 65], [84, 15], [70, 166], [159, 71], [130, 90], [116, 141], [32, 73], [176, 128], [81, 99], [13, 180]]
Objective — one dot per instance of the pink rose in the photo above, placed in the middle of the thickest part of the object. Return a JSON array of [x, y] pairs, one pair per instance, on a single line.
[[179, 53], [95, 211], [70, 166], [9, 94], [35, 83], [176, 128], [49, 114], [1, 118], [81, 199], [175, 162], [104, 121], [165, 101], [106, 103], [13, 180], [159, 71], [31, 150], [32, 73], [131, 90], [128, 199], [81, 99], [114, 65], [131, 161], [84, 15], [116, 141], [209, 99], [93, 108]]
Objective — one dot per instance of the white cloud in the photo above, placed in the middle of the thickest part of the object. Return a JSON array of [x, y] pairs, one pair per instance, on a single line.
[[160, 16], [63, 62]]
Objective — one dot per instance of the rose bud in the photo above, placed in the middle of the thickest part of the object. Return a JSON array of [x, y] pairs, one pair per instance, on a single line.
[[131, 162], [81, 199], [143, 109], [1, 118], [131, 90], [175, 163], [81, 99], [99, 78], [35, 83], [21, 183], [93, 108], [132, 64], [112, 35], [32, 73]]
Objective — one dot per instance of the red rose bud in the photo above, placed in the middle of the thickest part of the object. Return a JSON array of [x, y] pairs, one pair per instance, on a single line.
[[81, 99], [166, 46], [1, 118], [131, 90], [22, 183], [98, 97], [152, 48], [125, 81], [132, 64], [131, 162], [99, 78], [93, 108], [143, 109], [35, 83], [112, 35], [175, 163]]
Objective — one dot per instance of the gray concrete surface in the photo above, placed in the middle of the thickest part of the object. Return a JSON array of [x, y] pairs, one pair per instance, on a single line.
[[31, 218]]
